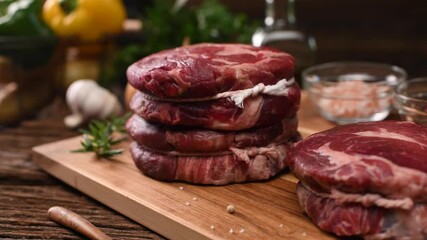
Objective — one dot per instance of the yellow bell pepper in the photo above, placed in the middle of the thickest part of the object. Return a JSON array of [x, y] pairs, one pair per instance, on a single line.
[[87, 19]]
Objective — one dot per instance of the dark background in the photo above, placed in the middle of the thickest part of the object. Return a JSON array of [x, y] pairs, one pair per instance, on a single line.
[[388, 31]]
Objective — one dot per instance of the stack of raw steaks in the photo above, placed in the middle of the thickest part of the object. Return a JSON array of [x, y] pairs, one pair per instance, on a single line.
[[213, 113]]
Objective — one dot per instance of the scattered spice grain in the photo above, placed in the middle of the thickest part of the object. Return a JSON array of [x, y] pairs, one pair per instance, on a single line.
[[231, 209]]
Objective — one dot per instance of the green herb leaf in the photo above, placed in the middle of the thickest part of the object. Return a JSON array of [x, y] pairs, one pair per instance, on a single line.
[[68, 6], [98, 138]]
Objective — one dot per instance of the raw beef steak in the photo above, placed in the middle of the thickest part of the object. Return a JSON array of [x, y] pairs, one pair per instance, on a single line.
[[350, 219], [206, 69], [388, 158], [240, 165], [167, 138], [220, 114], [213, 113], [367, 179]]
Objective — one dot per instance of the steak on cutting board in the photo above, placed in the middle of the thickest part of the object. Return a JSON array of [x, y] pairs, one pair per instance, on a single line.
[[239, 165], [213, 113], [206, 69], [382, 157], [374, 171], [220, 114], [168, 138], [356, 219]]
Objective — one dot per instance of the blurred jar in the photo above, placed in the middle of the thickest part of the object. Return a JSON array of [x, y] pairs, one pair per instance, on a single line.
[[410, 99], [29, 67], [87, 27], [284, 35], [84, 60]]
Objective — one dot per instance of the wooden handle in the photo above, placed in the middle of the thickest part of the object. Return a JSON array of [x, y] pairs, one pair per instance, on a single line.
[[74, 221]]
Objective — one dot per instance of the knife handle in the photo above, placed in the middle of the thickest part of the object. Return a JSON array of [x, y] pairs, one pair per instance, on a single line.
[[76, 222]]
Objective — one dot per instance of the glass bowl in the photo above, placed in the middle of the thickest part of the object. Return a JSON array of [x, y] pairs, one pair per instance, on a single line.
[[410, 100], [350, 92]]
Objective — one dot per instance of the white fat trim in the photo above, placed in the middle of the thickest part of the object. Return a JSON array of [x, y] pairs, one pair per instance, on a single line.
[[229, 50], [370, 199], [248, 151], [366, 199], [338, 159], [224, 61], [406, 181], [238, 97], [383, 133], [279, 89], [188, 154], [274, 150], [248, 117]]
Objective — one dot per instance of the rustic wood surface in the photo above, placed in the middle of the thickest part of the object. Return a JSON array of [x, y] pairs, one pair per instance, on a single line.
[[172, 211], [27, 192], [264, 210]]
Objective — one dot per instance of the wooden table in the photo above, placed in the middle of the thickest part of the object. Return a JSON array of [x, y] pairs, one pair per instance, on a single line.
[[26, 192]]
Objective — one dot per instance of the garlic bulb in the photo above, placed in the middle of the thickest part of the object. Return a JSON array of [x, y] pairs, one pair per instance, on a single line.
[[86, 100]]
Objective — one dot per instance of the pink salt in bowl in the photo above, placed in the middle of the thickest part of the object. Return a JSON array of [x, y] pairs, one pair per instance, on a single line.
[[350, 92]]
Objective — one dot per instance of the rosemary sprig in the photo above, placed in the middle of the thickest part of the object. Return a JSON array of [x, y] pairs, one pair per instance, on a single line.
[[98, 138]]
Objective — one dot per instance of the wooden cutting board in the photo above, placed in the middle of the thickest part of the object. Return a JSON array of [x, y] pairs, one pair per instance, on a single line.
[[266, 210]]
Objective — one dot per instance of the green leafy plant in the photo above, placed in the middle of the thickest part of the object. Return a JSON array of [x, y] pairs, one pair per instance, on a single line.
[[100, 137], [165, 26], [216, 23]]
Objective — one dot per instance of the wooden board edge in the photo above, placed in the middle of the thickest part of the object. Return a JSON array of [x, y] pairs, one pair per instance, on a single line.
[[150, 218]]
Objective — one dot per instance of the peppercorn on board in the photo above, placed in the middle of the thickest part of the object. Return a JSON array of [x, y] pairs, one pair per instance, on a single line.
[[263, 210]]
